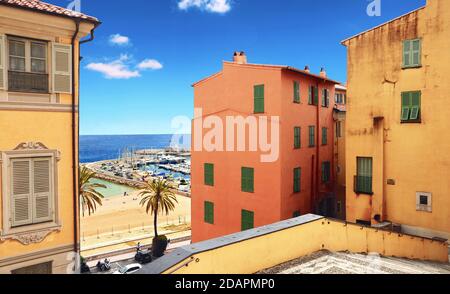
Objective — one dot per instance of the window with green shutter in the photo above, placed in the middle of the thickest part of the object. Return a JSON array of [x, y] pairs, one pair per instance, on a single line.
[[313, 95], [312, 136], [259, 99], [411, 106], [247, 180], [297, 137], [412, 53], [296, 92], [326, 172], [324, 136], [247, 220], [363, 179], [316, 96], [209, 174], [209, 212], [297, 180], [325, 98]]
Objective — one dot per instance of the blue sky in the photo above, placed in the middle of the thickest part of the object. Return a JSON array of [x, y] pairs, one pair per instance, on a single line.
[[137, 74]]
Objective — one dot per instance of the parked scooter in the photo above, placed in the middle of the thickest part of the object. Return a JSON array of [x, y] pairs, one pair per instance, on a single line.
[[104, 266], [143, 256]]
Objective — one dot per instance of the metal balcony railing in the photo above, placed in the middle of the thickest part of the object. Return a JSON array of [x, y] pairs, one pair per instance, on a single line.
[[28, 82]]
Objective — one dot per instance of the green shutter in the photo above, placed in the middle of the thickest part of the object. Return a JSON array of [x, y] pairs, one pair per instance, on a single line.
[[209, 174], [415, 52], [297, 180], [247, 180], [412, 51], [407, 53], [209, 213], [297, 138], [259, 99], [296, 92], [326, 172], [411, 102], [312, 136], [247, 220], [364, 175], [324, 136], [316, 96]]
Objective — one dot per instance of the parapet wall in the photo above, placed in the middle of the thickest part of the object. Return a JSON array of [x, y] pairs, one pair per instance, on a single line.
[[255, 250]]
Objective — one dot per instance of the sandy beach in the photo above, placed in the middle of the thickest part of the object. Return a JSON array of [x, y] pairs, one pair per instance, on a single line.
[[121, 219]]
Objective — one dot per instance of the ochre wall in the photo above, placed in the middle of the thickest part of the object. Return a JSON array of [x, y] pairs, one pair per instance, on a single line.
[[414, 155], [253, 255]]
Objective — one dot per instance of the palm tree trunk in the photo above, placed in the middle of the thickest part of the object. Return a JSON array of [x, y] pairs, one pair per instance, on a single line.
[[155, 221]]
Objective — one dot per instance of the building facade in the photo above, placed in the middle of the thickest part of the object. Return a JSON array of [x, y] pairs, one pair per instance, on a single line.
[[398, 164], [39, 65], [339, 150], [235, 189]]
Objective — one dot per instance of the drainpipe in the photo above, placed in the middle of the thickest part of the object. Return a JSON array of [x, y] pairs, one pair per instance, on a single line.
[[317, 194], [74, 143], [75, 127]]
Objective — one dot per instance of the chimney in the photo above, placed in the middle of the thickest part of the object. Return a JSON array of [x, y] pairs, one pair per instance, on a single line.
[[307, 69], [240, 57], [323, 73]]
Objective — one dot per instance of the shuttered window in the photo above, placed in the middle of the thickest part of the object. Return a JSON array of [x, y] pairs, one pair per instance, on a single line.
[[324, 136], [247, 179], [312, 136], [326, 172], [209, 212], [325, 98], [297, 137], [412, 53], [31, 191], [247, 220], [62, 68], [363, 180], [2, 62], [296, 92], [297, 180], [259, 99], [209, 174], [313, 95], [411, 106]]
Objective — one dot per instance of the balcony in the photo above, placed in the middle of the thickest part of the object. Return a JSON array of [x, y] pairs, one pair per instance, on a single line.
[[363, 185], [28, 82]]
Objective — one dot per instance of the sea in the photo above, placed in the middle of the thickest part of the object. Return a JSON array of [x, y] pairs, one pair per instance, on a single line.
[[107, 147]]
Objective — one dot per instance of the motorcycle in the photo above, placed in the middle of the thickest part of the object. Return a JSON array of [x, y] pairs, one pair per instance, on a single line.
[[104, 266], [143, 256]]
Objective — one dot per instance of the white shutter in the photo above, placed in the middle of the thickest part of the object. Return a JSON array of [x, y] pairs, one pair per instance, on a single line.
[[2, 61], [42, 200], [62, 68], [21, 192]]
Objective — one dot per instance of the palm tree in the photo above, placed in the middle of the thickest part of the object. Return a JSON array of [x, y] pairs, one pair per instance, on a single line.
[[89, 196], [158, 198]]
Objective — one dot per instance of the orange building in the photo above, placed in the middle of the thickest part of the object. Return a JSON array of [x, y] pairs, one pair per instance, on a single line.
[[234, 189]]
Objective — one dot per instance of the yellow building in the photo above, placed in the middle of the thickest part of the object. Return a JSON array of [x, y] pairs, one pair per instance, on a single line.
[[398, 116], [39, 54]]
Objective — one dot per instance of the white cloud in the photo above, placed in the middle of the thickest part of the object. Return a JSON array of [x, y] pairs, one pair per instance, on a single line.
[[116, 69], [216, 6], [118, 39], [150, 64]]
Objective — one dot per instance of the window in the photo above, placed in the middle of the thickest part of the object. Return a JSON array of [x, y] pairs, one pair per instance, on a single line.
[[297, 137], [312, 136], [247, 180], [324, 136], [411, 107], [326, 172], [423, 202], [209, 212], [296, 214], [297, 180], [325, 98], [313, 95], [296, 92], [339, 98], [31, 191], [412, 53], [363, 179], [247, 220], [209, 174], [27, 65], [259, 99]]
